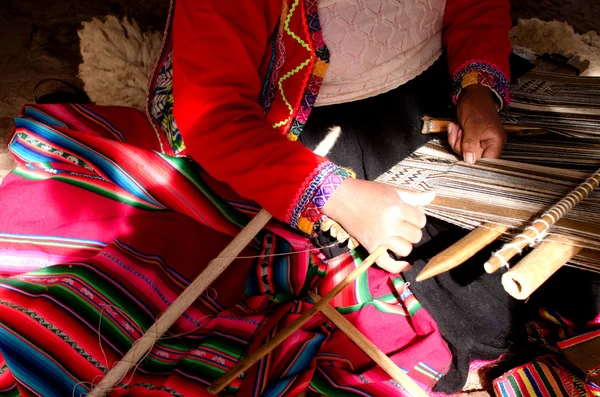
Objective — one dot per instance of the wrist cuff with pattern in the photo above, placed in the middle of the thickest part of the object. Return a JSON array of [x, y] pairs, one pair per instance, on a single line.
[[318, 188], [481, 72]]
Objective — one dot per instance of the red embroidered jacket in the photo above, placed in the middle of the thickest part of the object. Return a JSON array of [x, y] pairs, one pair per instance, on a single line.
[[247, 72]]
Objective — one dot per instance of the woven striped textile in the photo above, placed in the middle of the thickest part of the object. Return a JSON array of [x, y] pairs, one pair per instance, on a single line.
[[569, 368], [99, 234]]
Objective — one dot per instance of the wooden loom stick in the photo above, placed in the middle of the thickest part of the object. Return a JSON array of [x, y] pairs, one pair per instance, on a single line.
[[537, 267], [540, 226], [141, 346], [369, 348], [433, 125], [462, 250], [263, 350]]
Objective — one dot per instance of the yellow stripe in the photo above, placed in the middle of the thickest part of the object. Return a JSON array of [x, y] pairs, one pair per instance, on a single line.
[[526, 381]]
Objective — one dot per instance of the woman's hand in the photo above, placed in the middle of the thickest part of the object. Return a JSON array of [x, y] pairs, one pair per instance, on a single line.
[[377, 214], [480, 133]]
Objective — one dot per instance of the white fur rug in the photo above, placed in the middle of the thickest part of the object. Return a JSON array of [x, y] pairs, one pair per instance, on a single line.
[[117, 60], [551, 37], [118, 57]]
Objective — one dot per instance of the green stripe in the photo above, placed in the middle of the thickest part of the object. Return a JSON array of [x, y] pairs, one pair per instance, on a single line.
[[76, 304], [362, 282], [322, 385], [538, 368], [184, 167], [515, 386], [98, 283], [89, 187]]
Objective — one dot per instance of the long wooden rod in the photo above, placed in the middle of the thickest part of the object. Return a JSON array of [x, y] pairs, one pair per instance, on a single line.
[[540, 226], [369, 348], [241, 366], [215, 268]]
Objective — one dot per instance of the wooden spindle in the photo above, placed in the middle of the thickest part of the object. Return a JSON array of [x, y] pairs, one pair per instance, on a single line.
[[541, 226], [462, 250]]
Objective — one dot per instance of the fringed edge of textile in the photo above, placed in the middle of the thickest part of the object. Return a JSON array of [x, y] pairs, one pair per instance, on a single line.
[[484, 73]]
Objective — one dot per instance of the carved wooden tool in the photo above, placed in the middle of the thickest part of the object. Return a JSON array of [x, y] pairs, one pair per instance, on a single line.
[[370, 349], [439, 126], [462, 250], [265, 349], [533, 233], [537, 267]]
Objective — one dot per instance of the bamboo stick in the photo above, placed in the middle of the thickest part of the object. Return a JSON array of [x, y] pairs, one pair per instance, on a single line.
[[179, 306], [537, 267], [540, 226], [222, 382], [462, 250], [369, 348]]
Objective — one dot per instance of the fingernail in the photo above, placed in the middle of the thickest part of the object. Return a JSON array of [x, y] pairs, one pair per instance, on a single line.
[[470, 158]]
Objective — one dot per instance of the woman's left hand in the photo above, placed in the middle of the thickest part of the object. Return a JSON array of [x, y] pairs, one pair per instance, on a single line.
[[480, 133]]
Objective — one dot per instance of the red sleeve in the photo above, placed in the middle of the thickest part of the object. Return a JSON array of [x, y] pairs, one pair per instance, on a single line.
[[478, 46], [218, 48]]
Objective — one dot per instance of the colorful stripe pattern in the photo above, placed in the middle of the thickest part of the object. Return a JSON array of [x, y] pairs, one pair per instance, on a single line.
[[568, 371], [545, 377], [99, 234]]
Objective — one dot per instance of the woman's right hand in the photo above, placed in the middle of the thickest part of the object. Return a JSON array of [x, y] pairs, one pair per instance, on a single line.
[[376, 214]]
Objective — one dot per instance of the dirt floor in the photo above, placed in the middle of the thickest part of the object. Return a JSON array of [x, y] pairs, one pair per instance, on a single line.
[[39, 39]]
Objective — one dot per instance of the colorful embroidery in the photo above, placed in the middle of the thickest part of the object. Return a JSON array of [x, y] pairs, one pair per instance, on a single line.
[[564, 372], [319, 187], [297, 69], [318, 72], [308, 190], [44, 147], [312, 211], [480, 72], [329, 185]]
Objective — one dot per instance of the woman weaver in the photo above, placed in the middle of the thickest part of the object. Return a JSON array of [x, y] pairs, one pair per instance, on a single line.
[[111, 213]]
